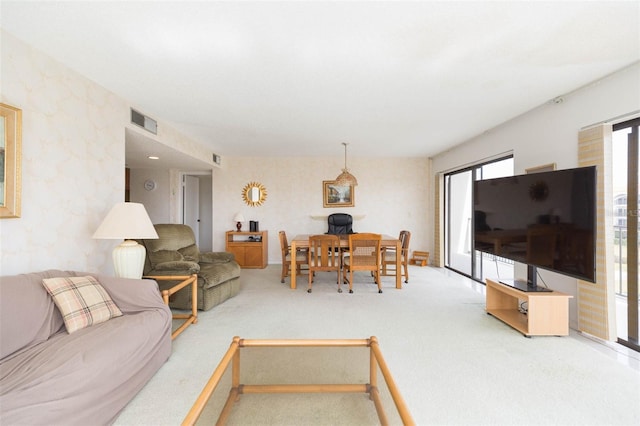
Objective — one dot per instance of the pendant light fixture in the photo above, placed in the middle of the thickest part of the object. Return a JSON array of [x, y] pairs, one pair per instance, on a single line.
[[345, 178]]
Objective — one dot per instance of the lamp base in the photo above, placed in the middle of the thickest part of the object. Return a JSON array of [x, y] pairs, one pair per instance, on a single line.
[[239, 226], [128, 259]]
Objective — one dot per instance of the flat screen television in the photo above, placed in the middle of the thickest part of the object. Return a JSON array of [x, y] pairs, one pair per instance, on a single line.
[[544, 220]]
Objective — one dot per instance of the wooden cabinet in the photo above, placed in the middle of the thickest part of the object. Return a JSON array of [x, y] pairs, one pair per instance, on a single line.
[[547, 312], [249, 248]]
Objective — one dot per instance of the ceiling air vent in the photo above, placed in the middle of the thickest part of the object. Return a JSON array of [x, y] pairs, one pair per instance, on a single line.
[[143, 121]]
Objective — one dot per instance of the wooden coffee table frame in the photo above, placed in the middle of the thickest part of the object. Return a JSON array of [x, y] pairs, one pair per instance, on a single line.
[[233, 357], [185, 280]]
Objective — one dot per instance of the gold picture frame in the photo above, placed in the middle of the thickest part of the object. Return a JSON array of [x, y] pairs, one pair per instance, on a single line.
[[337, 195], [539, 169], [10, 161]]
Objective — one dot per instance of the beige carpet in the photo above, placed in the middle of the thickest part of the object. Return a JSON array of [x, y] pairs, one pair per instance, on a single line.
[[453, 363]]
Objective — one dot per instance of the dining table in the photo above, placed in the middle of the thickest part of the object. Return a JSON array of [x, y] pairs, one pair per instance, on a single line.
[[388, 241]]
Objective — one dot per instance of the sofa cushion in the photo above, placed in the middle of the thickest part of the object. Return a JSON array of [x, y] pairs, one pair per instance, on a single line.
[[213, 274], [181, 267], [81, 300]]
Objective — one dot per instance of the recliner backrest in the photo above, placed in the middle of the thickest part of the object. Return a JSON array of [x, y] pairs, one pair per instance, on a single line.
[[175, 242], [340, 223]]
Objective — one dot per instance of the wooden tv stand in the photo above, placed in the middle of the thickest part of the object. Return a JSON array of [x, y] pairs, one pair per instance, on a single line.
[[547, 312]]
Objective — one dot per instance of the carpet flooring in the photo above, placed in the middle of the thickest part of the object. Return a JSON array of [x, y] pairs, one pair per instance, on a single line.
[[453, 363]]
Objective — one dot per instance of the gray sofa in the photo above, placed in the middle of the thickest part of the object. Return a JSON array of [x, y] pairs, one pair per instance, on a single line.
[[48, 376], [175, 253]]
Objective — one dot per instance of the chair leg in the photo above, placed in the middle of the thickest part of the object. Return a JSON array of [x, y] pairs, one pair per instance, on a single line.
[[406, 272], [285, 269], [378, 282]]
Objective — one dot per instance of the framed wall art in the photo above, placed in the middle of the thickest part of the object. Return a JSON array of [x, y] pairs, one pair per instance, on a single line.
[[539, 169], [10, 161], [337, 195]]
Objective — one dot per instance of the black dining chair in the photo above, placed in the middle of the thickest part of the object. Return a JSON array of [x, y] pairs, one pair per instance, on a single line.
[[340, 224]]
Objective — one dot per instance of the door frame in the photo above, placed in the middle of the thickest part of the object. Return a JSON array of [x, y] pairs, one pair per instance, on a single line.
[[476, 271]]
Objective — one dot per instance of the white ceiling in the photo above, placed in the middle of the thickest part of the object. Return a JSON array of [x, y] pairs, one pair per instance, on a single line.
[[299, 78], [139, 148]]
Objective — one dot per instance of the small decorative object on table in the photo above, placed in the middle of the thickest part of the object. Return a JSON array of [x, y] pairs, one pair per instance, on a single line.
[[238, 218]]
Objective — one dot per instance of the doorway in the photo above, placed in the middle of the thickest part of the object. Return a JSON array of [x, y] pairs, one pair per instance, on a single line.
[[197, 207]]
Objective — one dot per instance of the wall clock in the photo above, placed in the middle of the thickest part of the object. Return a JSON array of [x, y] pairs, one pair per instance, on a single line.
[[149, 185]]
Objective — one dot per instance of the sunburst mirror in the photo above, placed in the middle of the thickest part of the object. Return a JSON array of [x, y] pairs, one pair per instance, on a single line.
[[254, 194]]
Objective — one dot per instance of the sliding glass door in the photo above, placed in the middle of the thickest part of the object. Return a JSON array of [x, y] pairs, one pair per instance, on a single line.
[[625, 167], [459, 216], [459, 213]]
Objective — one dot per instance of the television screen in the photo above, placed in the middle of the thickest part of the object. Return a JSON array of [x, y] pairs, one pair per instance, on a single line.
[[546, 220]]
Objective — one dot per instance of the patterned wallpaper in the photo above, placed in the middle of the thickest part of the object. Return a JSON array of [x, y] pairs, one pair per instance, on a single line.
[[73, 161], [72, 156], [392, 194]]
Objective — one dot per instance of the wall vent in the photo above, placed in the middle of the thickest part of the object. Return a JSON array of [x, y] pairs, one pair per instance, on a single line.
[[143, 121]]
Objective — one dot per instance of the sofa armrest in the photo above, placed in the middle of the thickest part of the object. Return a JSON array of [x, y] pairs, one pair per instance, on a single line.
[[216, 257], [133, 295], [176, 267]]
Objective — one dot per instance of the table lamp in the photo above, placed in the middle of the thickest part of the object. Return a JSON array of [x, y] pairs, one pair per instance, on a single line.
[[238, 218], [127, 220]]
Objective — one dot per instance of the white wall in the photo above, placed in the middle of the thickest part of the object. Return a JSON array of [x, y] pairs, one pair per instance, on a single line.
[[72, 163], [73, 160], [549, 134], [155, 201], [392, 195]]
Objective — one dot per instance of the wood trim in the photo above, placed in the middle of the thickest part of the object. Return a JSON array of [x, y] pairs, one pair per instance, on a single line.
[[232, 358], [185, 280]]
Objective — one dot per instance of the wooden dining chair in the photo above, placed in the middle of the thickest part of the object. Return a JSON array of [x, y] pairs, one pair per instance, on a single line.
[[324, 255], [388, 257], [285, 248], [363, 255]]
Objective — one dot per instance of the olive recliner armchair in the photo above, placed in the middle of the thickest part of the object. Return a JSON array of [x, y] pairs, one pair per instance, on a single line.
[[175, 253]]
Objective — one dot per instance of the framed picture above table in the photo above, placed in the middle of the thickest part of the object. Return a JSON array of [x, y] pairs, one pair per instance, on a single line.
[[334, 195]]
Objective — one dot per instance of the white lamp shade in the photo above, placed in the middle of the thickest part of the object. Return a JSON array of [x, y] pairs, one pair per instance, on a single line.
[[238, 217], [127, 220]]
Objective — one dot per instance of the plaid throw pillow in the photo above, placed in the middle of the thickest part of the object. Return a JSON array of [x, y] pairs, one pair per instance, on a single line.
[[81, 300]]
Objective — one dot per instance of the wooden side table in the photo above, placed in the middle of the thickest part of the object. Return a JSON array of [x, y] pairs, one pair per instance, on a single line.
[[185, 281], [249, 248]]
